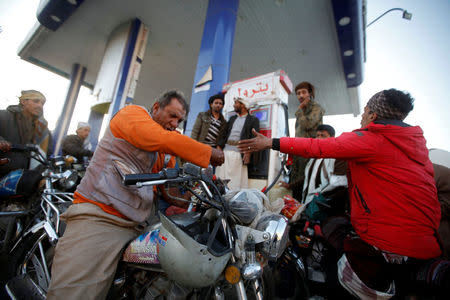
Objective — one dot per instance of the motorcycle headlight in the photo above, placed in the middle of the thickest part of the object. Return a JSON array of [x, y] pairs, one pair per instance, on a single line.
[[69, 179], [277, 226]]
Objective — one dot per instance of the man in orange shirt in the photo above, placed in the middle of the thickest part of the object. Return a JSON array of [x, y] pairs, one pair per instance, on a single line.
[[106, 214]]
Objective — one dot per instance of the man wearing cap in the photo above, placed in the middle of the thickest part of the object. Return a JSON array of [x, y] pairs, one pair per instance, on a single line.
[[323, 175], [239, 127], [23, 124], [74, 144], [394, 206], [210, 125]]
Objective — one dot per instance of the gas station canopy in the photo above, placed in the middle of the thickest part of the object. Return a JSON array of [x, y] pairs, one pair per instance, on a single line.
[[320, 41]]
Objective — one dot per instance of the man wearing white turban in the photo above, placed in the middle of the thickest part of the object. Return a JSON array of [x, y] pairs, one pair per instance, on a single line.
[[74, 144], [239, 127]]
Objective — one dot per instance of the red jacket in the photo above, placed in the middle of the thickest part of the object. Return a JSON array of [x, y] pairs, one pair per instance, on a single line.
[[393, 196]]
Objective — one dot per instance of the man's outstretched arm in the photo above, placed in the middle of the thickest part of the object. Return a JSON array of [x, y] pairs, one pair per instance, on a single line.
[[351, 145]]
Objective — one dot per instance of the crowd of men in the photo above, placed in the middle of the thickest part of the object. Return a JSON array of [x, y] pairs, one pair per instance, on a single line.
[[394, 207]]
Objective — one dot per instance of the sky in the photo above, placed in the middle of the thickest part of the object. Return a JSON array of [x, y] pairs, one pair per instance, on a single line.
[[411, 56], [407, 55]]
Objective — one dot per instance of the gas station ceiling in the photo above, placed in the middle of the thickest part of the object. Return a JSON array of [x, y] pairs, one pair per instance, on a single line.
[[298, 37]]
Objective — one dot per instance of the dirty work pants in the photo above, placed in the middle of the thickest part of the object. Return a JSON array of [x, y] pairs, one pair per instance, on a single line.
[[87, 255]]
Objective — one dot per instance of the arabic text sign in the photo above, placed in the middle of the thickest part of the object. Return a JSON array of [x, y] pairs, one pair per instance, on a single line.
[[255, 88]]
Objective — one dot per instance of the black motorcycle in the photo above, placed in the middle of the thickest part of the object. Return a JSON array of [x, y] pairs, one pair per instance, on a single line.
[[220, 250], [308, 267], [24, 218]]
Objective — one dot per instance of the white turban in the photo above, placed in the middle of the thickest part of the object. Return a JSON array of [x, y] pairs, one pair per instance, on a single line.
[[82, 125], [244, 101]]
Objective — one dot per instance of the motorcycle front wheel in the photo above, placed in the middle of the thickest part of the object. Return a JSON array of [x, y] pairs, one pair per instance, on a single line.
[[33, 258], [265, 285], [289, 281]]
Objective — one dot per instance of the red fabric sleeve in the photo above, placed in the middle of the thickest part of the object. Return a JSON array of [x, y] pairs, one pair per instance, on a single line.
[[350, 145], [135, 125]]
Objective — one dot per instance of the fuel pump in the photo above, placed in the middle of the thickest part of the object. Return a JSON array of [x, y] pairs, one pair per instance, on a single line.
[[268, 97]]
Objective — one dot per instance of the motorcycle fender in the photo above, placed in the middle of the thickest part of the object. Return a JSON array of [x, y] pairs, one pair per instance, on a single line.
[[36, 227], [50, 231], [32, 230], [290, 254], [47, 227]]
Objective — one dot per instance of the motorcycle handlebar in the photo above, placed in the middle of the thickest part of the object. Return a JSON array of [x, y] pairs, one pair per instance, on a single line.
[[23, 148], [132, 179]]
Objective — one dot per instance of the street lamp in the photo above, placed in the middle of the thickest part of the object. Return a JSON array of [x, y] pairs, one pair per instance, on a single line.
[[406, 15]]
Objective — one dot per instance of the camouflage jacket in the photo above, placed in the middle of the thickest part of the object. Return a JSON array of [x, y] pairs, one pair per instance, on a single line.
[[308, 120], [305, 126]]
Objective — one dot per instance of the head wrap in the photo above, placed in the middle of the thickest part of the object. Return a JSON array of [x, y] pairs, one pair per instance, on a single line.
[[243, 101], [31, 95], [379, 105], [82, 125]]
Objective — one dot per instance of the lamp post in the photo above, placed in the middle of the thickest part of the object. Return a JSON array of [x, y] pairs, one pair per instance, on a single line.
[[406, 15]]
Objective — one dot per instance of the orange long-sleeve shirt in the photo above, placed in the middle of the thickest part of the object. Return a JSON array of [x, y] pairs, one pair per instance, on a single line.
[[134, 124]]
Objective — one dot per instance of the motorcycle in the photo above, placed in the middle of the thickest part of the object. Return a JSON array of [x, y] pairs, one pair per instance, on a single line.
[[30, 222], [79, 166], [18, 210], [310, 260], [219, 249]]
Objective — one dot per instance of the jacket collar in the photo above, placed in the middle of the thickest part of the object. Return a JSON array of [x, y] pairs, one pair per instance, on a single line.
[[392, 122]]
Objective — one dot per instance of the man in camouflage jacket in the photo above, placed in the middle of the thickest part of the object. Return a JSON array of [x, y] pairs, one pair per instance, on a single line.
[[309, 115]]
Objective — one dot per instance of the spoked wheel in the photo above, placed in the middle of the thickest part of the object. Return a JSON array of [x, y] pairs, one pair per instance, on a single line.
[[35, 258]]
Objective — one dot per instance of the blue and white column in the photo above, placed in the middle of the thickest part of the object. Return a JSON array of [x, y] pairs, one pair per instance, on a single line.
[[214, 59], [76, 79], [118, 75]]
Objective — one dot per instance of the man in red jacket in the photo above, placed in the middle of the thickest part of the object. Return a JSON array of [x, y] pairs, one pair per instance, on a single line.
[[394, 208]]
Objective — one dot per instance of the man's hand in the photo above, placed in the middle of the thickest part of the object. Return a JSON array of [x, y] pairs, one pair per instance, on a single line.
[[5, 146], [217, 157], [304, 103], [260, 142], [246, 158], [284, 184], [170, 195]]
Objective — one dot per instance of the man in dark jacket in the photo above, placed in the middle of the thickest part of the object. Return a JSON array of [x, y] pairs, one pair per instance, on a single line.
[[74, 144], [210, 125], [23, 124], [394, 207], [239, 127]]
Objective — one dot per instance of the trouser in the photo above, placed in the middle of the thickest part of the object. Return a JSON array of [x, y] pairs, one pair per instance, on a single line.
[[363, 270], [87, 255], [233, 169], [297, 176]]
